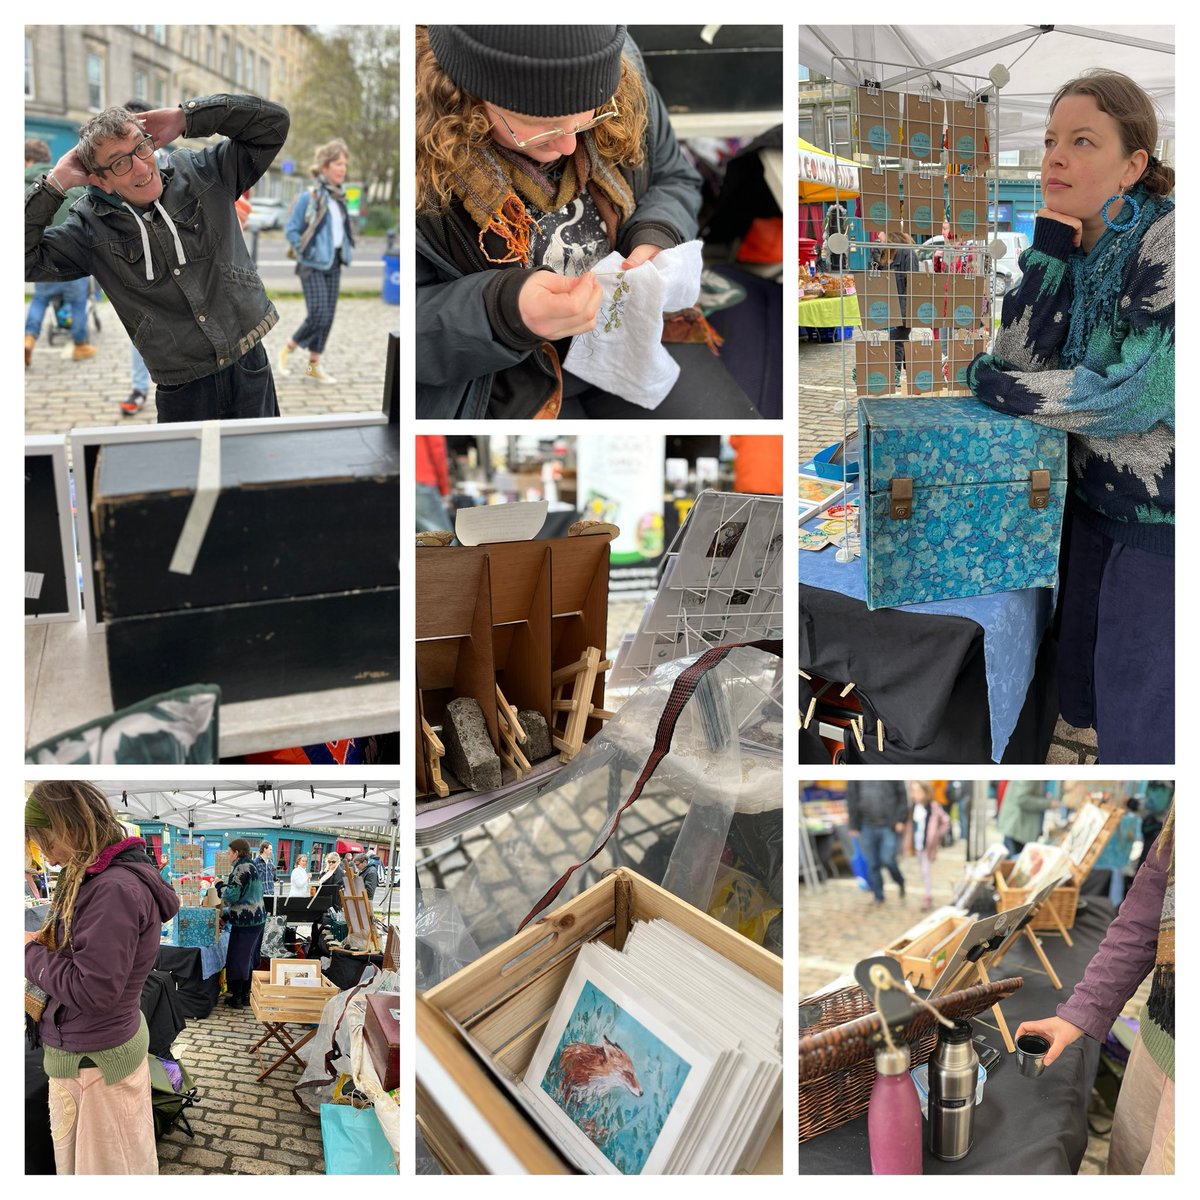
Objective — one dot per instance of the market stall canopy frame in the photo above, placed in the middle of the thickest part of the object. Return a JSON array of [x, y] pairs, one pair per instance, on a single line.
[[1038, 59], [219, 805]]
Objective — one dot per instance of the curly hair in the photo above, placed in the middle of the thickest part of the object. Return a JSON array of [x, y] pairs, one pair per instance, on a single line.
[[111, 125], [81, 820], [451, 124], [1132, 109]]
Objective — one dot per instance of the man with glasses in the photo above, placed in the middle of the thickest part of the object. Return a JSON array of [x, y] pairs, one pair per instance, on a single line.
[[166, 247]]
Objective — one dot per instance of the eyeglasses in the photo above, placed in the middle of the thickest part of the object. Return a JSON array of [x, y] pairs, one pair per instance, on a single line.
[[549, 135], [122, 166]]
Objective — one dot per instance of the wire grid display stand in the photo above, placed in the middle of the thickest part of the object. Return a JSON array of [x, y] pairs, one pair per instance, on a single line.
[[722, 582], [974, 89]]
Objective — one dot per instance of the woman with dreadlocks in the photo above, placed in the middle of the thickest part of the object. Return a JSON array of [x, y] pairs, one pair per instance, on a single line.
[[540, 150], [84, 971]]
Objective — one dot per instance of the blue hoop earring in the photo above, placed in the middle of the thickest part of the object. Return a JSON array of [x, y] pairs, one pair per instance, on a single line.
[[1131, 222]]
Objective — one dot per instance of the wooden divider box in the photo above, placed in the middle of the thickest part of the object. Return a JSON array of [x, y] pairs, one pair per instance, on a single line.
[[504, 1000], [923, 958]]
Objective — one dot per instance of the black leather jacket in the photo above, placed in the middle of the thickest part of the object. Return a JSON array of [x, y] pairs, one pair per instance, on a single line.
[[190, 318]]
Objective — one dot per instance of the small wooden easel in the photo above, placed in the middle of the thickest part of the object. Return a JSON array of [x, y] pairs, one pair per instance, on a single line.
[[976, 968], [512, 737], [573, 687], [434, 752], [1026, 930], [360, 920]]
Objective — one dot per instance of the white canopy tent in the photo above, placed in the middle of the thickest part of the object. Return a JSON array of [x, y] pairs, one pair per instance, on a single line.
[[217, 805], [263, 804], [1038, 59]]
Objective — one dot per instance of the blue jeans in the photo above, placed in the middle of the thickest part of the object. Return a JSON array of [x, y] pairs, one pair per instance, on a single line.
[[139, 377], [879, 845], [243, 389], [74, 293]]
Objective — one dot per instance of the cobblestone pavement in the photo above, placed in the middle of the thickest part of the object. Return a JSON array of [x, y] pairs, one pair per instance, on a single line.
[[242, 1127], [839, 926], [820, 423], [61, 394]]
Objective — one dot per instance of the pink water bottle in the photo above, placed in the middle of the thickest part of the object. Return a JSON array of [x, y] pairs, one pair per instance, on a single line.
[[894, 1116]]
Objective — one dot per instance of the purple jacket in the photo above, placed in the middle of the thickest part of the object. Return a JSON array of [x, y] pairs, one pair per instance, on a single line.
[[1126, 955], [95, 988]]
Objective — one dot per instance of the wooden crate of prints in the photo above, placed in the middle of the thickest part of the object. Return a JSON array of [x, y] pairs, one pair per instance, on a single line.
[[196, 926], [289, 1002], [504, 999]]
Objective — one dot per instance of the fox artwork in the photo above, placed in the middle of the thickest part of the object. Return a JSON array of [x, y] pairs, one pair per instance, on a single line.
[[588, 1071], [613, 1079]]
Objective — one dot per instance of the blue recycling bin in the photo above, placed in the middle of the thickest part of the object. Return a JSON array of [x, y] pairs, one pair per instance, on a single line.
[[391, 278]]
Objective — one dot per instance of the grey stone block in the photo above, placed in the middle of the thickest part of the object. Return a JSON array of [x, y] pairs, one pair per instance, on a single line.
[[539, 745], [470, 756]]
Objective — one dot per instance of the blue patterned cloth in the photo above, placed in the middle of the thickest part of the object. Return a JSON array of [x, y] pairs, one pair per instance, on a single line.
[[212, 958], [1012, 623]]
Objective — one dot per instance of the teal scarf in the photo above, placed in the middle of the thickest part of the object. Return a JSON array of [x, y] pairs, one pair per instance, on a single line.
[[1096, 276]]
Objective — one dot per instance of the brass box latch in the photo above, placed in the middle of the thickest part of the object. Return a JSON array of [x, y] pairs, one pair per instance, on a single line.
[[901, 498], [1039, 489]]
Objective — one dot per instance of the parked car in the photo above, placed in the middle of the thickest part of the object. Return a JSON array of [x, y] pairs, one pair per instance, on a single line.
[[269, 212], [1004, 276]]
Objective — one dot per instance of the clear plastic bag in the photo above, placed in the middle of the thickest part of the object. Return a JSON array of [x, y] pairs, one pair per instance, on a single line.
[[443, 944], [725, 759]]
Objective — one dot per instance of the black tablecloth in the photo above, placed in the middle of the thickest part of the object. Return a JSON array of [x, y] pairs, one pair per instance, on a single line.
[[197, 996], [926, 677], [1024, 1126]]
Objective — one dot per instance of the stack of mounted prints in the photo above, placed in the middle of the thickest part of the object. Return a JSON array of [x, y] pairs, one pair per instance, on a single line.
[[661, 1059]]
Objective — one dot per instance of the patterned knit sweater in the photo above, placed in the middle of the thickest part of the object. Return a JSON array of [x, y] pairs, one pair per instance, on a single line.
[[1087, 344]]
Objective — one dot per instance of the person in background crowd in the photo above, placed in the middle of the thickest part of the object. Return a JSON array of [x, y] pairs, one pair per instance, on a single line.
[[322, 240], [84, 972], [369, 874], [930, 823], [1020, 820], [902, 260], [299, 879], [876, 812], [432, 472], [244, 914], [74, 292], [265, 867], [1139, 942]]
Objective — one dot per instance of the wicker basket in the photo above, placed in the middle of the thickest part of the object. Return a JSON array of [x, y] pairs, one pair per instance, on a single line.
[[837, 1048], [1063, 900]]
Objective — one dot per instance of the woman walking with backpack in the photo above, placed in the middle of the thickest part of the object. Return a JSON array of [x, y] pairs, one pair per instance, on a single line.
[[322, 242]]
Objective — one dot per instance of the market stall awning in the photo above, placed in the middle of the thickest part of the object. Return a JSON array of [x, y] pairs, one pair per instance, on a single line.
[[824, 177], [221, 804]]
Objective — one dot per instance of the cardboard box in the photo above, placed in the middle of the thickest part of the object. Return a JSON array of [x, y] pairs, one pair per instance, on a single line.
[[504, 999], [878, 122], [924, 121], [381, 1031]]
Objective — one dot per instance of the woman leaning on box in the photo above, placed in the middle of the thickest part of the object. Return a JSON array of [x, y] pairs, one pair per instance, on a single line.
[[84, 972], [1087, 345]]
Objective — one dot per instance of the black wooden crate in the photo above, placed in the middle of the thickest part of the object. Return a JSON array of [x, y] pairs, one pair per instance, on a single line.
[[301, 512]]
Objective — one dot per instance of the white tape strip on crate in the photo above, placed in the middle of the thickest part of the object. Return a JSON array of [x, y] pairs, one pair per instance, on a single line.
[[208, 488]]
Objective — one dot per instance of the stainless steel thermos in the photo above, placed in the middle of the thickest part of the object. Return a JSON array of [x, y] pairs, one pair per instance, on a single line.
[[953, 1073]]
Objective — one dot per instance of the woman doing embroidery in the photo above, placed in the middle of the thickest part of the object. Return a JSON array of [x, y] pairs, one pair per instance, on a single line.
[[540, 150], [84, 971], [1087, 344]]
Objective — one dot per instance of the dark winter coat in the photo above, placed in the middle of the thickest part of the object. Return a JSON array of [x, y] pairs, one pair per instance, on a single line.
[[95, 986]]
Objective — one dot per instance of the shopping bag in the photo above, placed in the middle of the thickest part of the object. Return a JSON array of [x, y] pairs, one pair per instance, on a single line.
[[354, 1144]]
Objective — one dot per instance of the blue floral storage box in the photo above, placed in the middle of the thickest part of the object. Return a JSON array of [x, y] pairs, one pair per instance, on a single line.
[[196, 927], [957, 500]]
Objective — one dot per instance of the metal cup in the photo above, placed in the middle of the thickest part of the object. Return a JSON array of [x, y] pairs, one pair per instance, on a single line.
[[1031, 1054]]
